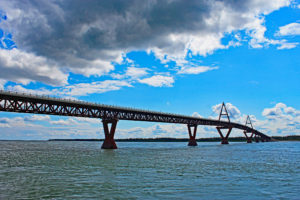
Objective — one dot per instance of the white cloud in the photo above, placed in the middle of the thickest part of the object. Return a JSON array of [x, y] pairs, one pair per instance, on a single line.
[[33, 118], [233, 111], [96, 67], [280, 120], [276, 111], [266, 7], [154, 131], [195, 70], [67, 122], [59, 40], [289, 29], [290, 110], [136, 72], [4, 120], [256, 30], [206, 44], [287, 45], [89, 120], [22, 67], [16, 122], [280, 111], [4, 125], [195, 114], [117, 76], [81, 89], [21, 89], [22, 128], [158, 81]]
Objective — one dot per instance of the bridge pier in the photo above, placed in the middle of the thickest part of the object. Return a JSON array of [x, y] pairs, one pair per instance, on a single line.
[[224, 139], [249, 138], [192, 140], [256, 138], [109, 141], [24, 103]]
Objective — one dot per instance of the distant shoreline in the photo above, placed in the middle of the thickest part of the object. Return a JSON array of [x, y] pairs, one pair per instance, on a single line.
[[214, 139]]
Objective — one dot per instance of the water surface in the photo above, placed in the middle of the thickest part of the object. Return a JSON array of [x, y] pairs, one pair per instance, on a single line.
[[146, 170]]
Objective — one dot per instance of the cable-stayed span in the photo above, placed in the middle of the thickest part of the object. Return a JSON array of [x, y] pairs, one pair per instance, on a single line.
[[110, 115]]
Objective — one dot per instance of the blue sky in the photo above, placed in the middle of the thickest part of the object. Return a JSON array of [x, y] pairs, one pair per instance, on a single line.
[[169, 56]]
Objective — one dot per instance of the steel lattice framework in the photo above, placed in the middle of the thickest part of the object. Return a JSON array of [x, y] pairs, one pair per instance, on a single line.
[[24, 103]]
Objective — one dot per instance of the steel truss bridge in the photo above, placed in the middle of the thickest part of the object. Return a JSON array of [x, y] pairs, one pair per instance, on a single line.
[[25, 103]]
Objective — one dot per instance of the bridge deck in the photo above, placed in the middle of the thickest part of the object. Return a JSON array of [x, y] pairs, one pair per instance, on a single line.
[[24, 103]]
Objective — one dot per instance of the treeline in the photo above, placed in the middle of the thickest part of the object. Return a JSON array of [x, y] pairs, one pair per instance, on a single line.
[[287, 138], [213, 139]]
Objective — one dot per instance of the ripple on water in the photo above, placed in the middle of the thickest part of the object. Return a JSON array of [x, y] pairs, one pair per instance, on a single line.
[[63, 170]]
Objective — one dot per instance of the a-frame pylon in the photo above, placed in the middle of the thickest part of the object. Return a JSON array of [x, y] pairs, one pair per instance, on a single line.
[[248, 122], [225, 113]]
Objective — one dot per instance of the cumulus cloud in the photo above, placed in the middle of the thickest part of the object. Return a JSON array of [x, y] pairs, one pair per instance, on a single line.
[[26, 128], [289, 29], [22, 67], [195, 114], [158, 81], [88, 38], [18, 127], [280, 110], [232, 110], [279, 120], [270, 112]]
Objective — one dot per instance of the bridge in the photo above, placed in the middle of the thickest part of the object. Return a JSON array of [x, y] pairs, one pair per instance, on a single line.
[[110, 115]]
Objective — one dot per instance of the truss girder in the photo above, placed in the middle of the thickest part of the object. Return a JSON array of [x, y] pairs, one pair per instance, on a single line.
[[14, 102]]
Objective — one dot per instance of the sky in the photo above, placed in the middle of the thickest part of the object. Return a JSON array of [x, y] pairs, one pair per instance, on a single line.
[[176, 56]]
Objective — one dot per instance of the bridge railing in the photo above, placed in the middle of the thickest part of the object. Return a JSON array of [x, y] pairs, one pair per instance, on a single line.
[[65, 100], [110, 113], [123, 109]]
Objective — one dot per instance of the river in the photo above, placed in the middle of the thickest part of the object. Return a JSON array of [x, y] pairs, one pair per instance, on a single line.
[[149, 170]]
